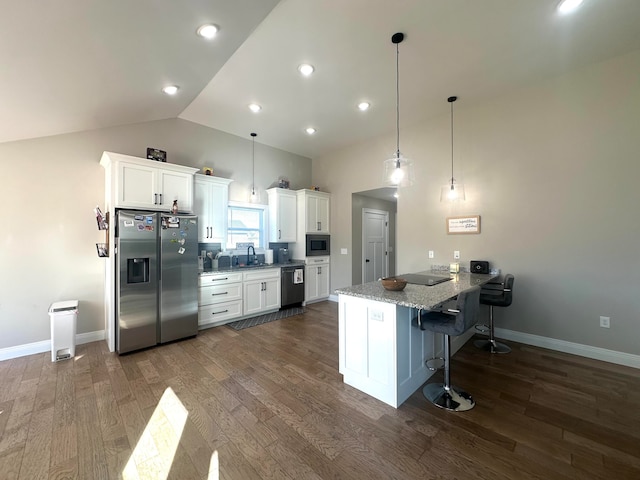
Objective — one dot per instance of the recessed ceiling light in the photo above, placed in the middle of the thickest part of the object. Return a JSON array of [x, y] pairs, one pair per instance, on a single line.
[[306, 69], [310, 130], [254, 107], [363, 106], [170, 89], [568, 6], [208, 31]]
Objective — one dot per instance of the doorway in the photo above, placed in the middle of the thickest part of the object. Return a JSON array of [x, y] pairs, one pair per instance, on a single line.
[[381, 199], [375, 242]]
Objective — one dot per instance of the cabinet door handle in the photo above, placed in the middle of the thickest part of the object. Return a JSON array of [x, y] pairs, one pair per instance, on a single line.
[[155, 198], [221, 293], [319, 270], [279, 234], [160, 199], [219, 279], [319, 226], [217, 313]]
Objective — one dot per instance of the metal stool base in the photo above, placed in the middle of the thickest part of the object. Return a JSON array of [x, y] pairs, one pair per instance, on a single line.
[[492, 346], [453, 399]]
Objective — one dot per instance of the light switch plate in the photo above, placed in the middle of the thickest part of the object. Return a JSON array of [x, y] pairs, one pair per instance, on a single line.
[[430, 253], [456, 254], [343, 251]]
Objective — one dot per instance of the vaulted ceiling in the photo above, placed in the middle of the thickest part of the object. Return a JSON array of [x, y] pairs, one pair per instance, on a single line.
[[77, 65]]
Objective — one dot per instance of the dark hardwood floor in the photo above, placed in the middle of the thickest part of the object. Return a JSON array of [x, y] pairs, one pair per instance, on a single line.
[[268, 402]]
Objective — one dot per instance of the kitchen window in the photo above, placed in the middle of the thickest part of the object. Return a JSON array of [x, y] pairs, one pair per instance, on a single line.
[[246, 223]]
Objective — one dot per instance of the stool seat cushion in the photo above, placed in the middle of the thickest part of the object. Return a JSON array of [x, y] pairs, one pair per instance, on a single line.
[[454, 322]]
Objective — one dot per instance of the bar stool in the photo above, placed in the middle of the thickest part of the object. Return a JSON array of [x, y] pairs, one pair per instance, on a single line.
[[450, 322], [495, 294]]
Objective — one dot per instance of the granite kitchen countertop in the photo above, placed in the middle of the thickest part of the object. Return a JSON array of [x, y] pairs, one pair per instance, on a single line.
[[418, 296], [244, 268]]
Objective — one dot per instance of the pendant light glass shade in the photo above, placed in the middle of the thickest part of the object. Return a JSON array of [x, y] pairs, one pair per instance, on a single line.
[[253, 196], [398, 170], [452, 191]]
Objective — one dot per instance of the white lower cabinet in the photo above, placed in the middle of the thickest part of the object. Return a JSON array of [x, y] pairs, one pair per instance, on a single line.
[[219, 298], [261, 291], [317, 279], [381, 350], [230, 296]]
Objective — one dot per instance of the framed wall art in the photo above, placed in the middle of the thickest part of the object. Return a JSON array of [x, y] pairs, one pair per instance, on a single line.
[[467, 224]]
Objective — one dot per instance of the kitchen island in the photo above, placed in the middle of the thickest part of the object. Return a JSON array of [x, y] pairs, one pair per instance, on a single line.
[[381, 348]]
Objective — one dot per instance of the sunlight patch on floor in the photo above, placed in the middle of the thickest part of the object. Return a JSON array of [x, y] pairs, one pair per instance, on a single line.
[[214, 467], [153, 455]]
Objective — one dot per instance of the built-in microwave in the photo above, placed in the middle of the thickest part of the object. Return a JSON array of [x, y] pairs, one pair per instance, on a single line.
[[318, 245]]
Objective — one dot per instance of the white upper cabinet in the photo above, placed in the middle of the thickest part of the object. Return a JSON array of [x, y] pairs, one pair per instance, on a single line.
[[146, 184], [316, 209], [282, 215], [211, 204]]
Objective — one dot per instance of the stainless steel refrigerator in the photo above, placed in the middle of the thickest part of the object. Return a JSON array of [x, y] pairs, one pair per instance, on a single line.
[[156, 278]]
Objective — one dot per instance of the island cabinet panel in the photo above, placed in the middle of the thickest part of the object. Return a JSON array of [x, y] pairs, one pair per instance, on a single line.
[[414, 347], [382, 351], [367, 347]]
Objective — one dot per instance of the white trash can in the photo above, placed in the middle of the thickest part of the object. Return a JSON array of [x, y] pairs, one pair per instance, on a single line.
[[64, 318]]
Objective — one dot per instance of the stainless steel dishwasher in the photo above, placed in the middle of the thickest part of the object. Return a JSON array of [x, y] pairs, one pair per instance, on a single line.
[[292, 279]]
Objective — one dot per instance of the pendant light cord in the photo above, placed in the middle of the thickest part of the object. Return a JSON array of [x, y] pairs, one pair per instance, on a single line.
[[451, 143], [397, 102], [253, 162], [451, 100]]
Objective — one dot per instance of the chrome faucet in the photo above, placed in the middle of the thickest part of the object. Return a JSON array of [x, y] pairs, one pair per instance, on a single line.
[[255, 258]]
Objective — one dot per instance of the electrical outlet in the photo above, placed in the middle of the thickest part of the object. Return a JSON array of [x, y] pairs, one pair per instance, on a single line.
[[605, 322], [430, 253], [456, 254]]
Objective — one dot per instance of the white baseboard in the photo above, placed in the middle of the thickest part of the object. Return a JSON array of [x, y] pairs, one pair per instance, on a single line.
[[45, 345], [597, 353], [333, 298]]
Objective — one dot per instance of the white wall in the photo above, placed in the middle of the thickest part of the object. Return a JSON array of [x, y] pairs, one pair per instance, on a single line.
[[553, 171], [49, 189]]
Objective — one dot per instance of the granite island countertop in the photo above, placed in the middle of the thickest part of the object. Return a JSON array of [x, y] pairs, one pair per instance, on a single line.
[[418, 296]]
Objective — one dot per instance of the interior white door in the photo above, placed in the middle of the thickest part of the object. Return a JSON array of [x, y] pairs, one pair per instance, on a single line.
[[375, 240]]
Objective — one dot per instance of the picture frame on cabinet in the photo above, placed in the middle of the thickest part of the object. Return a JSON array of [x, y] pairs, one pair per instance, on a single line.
[[157, 155]]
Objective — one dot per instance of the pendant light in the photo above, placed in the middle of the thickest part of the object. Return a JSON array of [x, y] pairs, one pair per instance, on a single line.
[[452, 191], [398, 170], [253, 198]]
